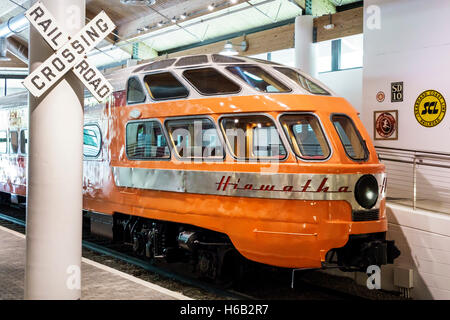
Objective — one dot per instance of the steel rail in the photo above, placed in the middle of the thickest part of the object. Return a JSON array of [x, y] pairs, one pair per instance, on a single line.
[[416, 159], [146, 266], [182, 279]]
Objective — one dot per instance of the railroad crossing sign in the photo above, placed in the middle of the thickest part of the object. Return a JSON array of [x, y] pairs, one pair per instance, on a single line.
[[70, 53]]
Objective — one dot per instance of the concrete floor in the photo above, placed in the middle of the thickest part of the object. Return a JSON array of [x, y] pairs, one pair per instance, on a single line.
[[99, 282]]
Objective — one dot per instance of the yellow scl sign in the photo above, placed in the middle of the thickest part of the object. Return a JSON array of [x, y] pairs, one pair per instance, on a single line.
[[430, 108]]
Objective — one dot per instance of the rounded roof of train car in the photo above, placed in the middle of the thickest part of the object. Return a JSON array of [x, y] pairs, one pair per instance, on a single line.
[[120, 78]]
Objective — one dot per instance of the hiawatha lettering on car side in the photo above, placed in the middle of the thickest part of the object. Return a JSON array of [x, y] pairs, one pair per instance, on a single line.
[[226, 183]]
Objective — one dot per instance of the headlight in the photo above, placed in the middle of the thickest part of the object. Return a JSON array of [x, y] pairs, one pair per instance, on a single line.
[[366, 191]]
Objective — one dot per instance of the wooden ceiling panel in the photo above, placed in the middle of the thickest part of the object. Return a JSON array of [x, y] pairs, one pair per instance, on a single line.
[[130, 18]]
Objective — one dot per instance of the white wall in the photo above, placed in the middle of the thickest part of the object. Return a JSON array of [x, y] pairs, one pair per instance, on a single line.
[[424, 240], [413, 46], [346, 83]]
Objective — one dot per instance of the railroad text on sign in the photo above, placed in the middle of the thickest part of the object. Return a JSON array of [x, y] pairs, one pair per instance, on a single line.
[[70, 53]]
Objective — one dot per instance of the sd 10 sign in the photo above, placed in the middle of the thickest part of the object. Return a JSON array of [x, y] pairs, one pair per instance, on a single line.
[[70, 53]]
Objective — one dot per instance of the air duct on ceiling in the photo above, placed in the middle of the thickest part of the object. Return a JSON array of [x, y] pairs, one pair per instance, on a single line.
[[138, 2], [339, 3], [13, 25]]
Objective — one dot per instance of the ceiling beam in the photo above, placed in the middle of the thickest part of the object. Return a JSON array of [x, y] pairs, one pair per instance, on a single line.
[[260, 42], [170, 9], [346, 23]]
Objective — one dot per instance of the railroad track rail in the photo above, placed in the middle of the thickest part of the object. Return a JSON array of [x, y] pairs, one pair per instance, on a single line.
[[279, 288], [99, 249]]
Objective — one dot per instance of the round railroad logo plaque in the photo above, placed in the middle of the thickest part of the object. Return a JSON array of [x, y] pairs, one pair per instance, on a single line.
[[430, 108], [385, 125], [381, 96]]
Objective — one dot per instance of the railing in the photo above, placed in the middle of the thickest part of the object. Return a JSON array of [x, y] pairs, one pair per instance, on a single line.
[[417, 179]]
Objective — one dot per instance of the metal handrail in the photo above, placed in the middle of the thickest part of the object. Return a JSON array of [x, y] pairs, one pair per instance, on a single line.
[[416, 159]]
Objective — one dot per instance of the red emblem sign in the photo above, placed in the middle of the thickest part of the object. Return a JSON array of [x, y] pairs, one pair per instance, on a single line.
[[385, 125], [381, 96]]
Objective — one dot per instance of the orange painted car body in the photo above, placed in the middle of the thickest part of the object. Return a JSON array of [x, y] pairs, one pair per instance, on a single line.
[[279, 232], [296, 233]]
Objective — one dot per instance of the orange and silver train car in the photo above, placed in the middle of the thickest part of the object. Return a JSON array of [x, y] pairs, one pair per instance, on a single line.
[[216, 158]]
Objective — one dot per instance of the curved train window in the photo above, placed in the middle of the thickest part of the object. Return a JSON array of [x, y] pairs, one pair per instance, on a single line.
[[3, 142], [190, 61], [218, 58], [350, 137], [165, 85], [24, 141], [253, 137], [259, 79], [210, 81], [305, 83], [264, 61], [135, 92], [92, 140], [306, 136], [146, 141], [162, 64], [13, 142], [195, 138]]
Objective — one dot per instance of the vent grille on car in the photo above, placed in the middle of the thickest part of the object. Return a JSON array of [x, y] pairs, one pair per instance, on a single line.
[[366, 215]]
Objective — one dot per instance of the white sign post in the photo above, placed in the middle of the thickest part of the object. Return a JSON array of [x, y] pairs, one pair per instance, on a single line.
[[70, 53], [55, 157]]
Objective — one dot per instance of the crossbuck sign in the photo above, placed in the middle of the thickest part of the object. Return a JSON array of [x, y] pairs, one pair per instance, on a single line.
[[70, 53]]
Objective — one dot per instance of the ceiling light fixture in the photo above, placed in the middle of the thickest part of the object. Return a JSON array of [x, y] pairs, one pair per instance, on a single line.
[[229, 48], [329, 26]]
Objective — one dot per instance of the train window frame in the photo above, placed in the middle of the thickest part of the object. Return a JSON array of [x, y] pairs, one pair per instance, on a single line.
[[279, 68], [179, 62], [141, 87], [290, 142], [175, 75], [163, 130], [216, 56], [265, 69], [6, 142], [362, 141], [283, 139], [219, 135], [21, 152], [212, 94], [87, 157], [11, 150], [148, 67]]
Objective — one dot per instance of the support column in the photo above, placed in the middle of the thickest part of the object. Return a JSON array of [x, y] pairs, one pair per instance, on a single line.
[[304, 55], [55, 172]]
